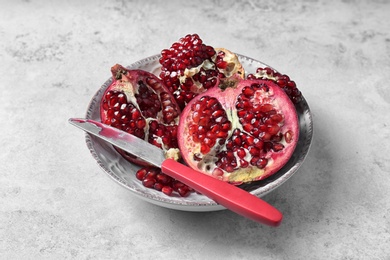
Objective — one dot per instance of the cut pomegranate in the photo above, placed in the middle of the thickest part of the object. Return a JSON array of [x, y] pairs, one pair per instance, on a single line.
[[282, 80], [138, 102], [190, 67], [244, 132]]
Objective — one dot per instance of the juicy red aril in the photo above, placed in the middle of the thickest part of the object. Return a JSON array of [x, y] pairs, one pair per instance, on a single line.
[[158, 186], [288, 136], [148, 182], [153, 178], [140, 174], [167, 190], [163, 179], [183, 191], [219, 60]]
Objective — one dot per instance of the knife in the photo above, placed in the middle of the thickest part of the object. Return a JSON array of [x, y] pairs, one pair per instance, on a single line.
[[223, 193]]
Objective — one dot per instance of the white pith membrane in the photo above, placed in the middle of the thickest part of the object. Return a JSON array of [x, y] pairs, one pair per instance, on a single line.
[[234, 67], [124, 85], [264, 75], [188, 73], [207, 163]]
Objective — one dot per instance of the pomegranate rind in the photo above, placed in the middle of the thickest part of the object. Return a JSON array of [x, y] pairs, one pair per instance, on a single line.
[[227, 97]]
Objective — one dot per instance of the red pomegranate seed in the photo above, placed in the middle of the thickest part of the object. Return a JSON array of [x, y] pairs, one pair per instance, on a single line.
[[217, 172], [158, 186], [241, 153], [148, 182], [140, 174], [167, 190], [254, 151], [277, 147], [163, 179], [244, 164], [183, 191], [288, 136], [273, 129], [176, 185]]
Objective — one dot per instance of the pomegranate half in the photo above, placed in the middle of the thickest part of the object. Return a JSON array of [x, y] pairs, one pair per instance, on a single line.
[[239, 133], [138, 102]]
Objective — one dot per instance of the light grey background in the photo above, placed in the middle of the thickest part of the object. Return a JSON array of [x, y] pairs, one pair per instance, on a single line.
[[56, 203]]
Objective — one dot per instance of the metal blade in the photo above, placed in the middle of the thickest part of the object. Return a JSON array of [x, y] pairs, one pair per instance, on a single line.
[[122, 140]]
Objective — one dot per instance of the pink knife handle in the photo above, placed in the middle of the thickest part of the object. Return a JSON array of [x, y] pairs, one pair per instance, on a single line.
[[225, 194]]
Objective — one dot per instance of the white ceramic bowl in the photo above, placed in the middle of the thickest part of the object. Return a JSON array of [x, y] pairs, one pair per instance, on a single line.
[[123, 172]]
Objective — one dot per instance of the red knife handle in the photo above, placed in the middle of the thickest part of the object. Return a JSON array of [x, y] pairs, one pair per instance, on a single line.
[[225, 194]]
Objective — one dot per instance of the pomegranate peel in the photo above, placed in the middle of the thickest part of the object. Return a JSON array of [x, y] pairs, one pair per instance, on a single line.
[[239, 132]]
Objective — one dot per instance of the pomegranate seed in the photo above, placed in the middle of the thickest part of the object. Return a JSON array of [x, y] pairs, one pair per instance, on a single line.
[[273, 129], [204, 149], [195, 117], [167, 190], [158, 186], [278, 147], [277, 138], [217, 172], [162, 178], [288, 136], [267, 146], [151, 174], [258, 143], [248, 127], [183, 191], [177, 184], [254, 151], [266, 108], [250, 140], [281, 82], [148, 182], [261, 163], [218, 113], [267, 136], [244, 164], [247, 91], [226, 126], [241, 153], [140, 174], [277, 118], [215, 128]]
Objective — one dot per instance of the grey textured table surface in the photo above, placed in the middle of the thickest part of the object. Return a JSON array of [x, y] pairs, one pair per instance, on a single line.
[[56, 203]]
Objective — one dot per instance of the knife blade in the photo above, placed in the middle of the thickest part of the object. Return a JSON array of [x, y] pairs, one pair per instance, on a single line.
[[223, 193]]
